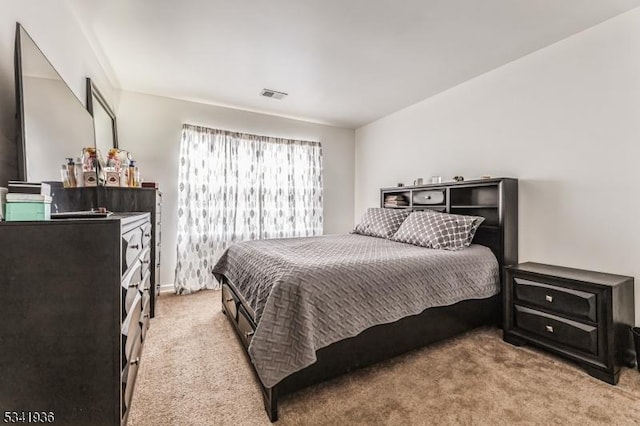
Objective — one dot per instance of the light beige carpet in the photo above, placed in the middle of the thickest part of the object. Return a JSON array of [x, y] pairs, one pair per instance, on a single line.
[[194, 372]]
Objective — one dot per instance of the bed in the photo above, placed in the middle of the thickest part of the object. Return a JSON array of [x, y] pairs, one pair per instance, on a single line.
[[309, 309]]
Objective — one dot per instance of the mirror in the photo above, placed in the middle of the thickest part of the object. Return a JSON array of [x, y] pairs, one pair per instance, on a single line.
[[54, 124], [104, 120]]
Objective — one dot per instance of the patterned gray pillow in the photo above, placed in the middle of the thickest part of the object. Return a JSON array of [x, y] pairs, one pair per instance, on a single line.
[[437, 230], [382, 223]]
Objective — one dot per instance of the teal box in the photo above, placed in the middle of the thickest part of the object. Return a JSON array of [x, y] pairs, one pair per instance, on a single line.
[[28, 211]]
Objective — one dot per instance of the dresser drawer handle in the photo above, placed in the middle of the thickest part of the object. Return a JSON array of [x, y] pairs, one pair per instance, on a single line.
[[145, 316], [248, 334], [135, 247], [549, 328], [147, 235], [145, 262], [134, 285], [229, 299], [548, 298], [135, 361]]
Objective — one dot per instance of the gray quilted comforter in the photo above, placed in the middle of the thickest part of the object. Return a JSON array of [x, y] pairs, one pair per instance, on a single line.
[[306, 293]]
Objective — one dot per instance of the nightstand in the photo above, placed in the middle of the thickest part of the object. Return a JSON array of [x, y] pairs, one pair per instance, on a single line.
[[581, 315]]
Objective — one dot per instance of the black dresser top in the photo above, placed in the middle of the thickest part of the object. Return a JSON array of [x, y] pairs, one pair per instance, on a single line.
[[600, 278], [124, 219]]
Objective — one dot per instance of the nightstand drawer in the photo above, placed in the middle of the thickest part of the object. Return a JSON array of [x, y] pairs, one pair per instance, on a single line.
[[579, 304], [564, 331]]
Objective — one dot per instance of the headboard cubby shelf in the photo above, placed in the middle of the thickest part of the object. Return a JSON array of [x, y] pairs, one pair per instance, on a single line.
[[494, 199]]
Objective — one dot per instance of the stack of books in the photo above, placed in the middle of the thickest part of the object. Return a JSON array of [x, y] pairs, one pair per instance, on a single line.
[[395, 201], [28, 201]]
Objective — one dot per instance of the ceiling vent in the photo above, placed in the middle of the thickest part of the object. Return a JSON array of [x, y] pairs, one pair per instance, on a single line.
[[274, 94]]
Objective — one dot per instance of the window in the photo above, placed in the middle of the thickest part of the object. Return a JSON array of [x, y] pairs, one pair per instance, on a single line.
[[238, 187]]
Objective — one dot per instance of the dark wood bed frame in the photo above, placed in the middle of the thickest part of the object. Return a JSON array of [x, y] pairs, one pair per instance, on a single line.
[[494, 199]]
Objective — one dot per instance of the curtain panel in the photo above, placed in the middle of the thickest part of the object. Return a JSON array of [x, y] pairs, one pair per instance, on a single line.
[[238, 187]]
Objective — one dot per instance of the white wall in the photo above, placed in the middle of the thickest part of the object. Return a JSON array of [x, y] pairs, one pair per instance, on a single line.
[[56, 31], [150, 127], [564, 120]]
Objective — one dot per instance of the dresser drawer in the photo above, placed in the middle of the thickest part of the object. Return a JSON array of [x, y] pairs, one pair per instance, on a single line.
[[131, 286], [576, 303], [146, 313], [128, 378], [146, 281], [131, 327], [564, 331], [146, 235], [146, 301], [131, 247], [145, 260]]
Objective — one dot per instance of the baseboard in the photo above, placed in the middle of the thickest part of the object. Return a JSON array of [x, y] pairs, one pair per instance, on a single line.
[[167, 288]]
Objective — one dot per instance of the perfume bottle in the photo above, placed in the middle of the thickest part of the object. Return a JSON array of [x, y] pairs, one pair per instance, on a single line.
[[79, 172], [69, 178], [131, 181], [64, 174], [71, 175], [137, 179]]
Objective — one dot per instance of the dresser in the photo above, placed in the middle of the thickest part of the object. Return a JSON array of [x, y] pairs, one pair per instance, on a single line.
[[118, 200], [76, 300], [581, 315]]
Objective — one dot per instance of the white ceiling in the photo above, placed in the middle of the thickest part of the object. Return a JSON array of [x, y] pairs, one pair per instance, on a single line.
[[343, 62]]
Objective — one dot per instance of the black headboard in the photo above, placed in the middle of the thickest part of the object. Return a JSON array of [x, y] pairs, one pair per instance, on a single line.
[[494, 199]]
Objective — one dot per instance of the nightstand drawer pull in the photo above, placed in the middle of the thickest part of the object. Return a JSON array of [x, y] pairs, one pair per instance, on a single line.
[[549, 328], [549, 298]]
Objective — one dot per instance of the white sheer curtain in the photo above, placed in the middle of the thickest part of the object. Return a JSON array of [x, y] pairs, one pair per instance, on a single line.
[[238, 187]]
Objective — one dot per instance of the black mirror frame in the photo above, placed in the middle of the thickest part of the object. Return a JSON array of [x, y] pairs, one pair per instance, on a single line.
[[94, 93], [20, 146]]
